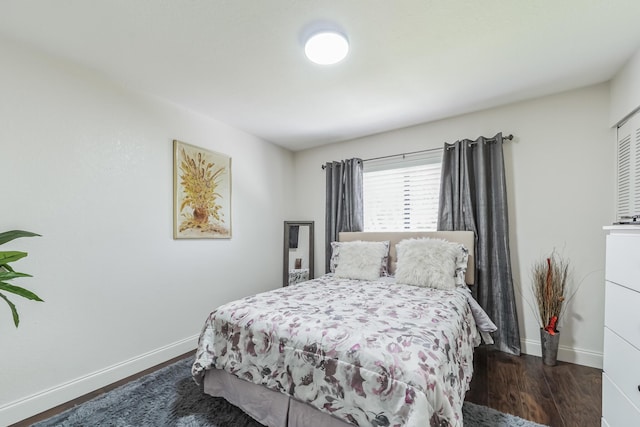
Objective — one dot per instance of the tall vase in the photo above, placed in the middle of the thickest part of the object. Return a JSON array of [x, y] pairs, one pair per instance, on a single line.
[[549, 345]]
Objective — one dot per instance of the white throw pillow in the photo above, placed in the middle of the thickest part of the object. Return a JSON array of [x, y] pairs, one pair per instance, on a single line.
[[361, 260], [335, 256], [427, 262]]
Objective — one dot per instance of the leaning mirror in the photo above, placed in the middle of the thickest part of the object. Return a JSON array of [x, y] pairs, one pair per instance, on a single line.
[[298, 252]]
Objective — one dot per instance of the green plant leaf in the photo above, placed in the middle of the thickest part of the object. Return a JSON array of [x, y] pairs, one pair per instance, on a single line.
[[14, 311], [8, 275], [25, 293], [8, 236], [11, 256]]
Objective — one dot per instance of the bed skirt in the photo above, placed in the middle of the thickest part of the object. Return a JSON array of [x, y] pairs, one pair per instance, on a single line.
[[266, 406]]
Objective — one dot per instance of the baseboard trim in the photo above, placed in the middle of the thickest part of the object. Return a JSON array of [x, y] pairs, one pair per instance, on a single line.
[[34, 404], [579, 356]]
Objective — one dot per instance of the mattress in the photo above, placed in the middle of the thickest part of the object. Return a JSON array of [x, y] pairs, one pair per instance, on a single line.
[[367, 353]]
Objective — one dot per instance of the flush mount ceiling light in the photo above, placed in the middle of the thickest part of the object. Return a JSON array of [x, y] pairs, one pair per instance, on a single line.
[[326, 47]]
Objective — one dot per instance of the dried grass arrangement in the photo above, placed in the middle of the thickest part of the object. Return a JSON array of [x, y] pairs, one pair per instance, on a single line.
[[550, 277]]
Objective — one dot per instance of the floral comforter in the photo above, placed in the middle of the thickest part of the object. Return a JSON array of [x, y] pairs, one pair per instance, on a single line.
[[370, 353]]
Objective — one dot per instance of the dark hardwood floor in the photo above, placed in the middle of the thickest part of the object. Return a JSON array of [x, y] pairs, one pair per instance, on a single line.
[[559, 396]]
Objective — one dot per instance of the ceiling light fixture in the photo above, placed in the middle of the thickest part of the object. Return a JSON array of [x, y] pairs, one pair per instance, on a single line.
[[326, 47]]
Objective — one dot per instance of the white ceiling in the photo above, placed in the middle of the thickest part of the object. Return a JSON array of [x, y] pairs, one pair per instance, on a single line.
[[411, 61]]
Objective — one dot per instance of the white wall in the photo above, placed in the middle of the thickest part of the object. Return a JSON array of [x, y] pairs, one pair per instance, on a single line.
[[625, 90], [88, 165], [560, 170]]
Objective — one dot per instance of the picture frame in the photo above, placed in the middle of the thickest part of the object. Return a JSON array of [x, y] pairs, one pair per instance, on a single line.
[[201, 193]]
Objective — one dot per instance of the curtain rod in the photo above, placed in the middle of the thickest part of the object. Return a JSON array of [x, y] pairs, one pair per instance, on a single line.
[[509, 137]]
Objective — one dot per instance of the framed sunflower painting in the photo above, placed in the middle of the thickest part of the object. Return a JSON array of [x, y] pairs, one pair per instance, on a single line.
[[202, 193]]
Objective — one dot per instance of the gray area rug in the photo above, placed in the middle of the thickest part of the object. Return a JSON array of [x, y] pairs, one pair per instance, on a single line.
[[170, 397]]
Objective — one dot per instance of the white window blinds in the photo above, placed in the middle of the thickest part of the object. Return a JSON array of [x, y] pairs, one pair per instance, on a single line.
[[401, 193], [628, 176]]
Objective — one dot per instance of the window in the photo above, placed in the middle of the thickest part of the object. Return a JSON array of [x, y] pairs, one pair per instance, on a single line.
[[402, 193]]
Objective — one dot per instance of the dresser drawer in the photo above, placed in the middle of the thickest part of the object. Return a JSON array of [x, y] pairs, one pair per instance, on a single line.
[[621, 312], [623, 260], [617, 410], [621, 365]]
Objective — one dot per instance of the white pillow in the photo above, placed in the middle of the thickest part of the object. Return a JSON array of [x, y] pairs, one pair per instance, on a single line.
[[361, 260], [462, 259], [335, 256], [427, 262]]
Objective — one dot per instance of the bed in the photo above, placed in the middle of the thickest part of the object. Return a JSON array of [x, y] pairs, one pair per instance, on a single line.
[[371, 344]]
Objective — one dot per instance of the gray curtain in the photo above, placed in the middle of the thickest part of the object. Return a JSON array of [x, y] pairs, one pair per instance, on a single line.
[[344, 205], [473, 196]]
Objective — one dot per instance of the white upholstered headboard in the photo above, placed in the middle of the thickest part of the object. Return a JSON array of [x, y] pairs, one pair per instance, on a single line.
[[467, 238]]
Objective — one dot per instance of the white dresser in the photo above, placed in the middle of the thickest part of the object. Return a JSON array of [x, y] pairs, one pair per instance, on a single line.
[[621, 376]]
